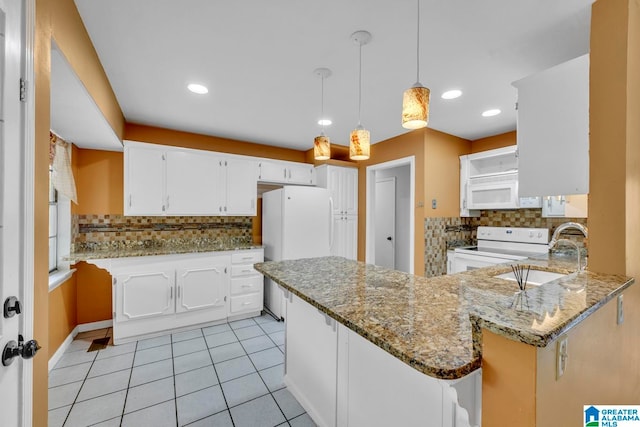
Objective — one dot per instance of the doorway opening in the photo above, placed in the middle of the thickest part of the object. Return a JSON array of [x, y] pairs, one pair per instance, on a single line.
[[390, 221]]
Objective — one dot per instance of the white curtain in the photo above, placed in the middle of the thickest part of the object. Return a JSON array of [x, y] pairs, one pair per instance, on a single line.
[[62, 174]]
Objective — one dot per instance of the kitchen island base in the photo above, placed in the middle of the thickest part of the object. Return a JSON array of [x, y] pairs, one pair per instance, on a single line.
[[341, 379]]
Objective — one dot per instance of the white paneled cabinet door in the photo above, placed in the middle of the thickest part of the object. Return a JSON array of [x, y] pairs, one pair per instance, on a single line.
[[300, 173], [195, 183], [350, 191], [144, 180], [350, 233], [144, 294], [271, 172], [337, 236], [333, 182], [241, 187], [203, 286]]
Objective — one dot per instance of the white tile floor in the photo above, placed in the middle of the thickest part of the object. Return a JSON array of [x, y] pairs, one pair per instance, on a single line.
[[224, 375]]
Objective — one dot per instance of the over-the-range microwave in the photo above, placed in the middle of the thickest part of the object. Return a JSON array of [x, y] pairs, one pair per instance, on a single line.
[[493, 191]]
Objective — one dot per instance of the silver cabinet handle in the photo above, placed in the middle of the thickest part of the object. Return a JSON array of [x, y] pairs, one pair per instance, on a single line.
[[170, 293], [167, 202], [129, 200], [285, 173], [179, 291]]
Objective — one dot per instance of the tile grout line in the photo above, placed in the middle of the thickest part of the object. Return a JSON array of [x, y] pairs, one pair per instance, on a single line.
[[175, 392], [262, 379], [126, 395], [226, 403]]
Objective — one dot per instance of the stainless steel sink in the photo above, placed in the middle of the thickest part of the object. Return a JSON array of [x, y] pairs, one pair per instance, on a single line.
[[536, 277]]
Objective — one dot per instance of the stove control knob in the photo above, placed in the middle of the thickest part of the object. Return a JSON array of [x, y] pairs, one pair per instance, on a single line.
[[531, 234], [539, 233]]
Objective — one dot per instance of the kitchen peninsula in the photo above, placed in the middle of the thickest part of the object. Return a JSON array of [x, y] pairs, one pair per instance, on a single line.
[[434, 325]]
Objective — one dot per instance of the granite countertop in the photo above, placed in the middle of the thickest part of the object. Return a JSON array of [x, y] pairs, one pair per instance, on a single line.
[[156, 247], [434, 324]]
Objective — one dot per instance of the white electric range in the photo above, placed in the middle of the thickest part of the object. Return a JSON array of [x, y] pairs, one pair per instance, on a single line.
[[501, 244]]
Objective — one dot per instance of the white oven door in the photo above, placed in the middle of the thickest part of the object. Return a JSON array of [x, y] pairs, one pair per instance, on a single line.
[[465, 262]]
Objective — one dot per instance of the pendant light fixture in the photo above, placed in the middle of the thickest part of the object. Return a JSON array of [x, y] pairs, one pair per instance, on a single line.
[[321, 143], [359, 144], [415, 101]]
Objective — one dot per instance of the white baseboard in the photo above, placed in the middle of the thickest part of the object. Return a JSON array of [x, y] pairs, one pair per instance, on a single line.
[[67, 341], [94, 325]]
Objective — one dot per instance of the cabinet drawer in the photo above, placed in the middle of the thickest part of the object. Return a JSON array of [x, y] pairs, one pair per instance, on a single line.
[[243, 270], [246, 285], [247, 257], [251, 302]]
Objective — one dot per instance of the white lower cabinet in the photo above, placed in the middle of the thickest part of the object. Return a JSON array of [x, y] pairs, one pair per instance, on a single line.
[[155, 294], [247, 284], [342, 379], [311, 341], [202, 287], [144, 294], [344, 241]]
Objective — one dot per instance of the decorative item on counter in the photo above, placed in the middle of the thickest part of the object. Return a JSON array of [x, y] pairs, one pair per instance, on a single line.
[[415, 100], [521, 273], [321, 143], [359, 143]]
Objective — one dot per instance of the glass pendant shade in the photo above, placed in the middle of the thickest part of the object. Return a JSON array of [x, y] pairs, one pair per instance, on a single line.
[[415, 107], [359, 144], [321, 148]]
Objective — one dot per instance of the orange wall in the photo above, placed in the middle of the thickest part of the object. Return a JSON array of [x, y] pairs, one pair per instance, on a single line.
[[99, 180], [442, 173], [94, 293], [496, 141], [62, 313], [508, 382], [155, 135]]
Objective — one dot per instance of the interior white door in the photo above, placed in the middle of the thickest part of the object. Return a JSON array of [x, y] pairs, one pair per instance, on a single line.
[[385, 222], [13, 244]]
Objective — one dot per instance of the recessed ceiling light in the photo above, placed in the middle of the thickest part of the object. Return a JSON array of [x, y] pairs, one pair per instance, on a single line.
[[324, 122], [490, 113], [451, 94], [196, 88]]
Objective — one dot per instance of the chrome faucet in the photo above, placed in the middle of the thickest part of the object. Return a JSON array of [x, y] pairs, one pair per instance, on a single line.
[[562, 227]]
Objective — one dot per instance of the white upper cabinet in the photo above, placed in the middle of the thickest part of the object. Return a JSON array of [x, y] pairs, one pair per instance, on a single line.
[[161, 180], [241, 184], [491, 179], [553, 130], [281, 172], [144, 180], [342, 184], [193, 183]]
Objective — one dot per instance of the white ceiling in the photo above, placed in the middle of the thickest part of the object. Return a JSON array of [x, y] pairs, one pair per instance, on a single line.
[[257, 58]]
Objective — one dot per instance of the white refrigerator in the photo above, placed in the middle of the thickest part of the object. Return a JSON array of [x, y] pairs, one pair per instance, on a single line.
[[296, 223]]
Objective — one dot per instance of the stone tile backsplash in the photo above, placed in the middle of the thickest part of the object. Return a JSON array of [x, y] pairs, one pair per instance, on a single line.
[[447, 232], [90, 232]]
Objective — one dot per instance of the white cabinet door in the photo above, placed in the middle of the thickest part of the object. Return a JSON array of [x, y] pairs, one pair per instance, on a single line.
[[144, 180], [311, 365], [300, 173], [350, 233], [271, 171], [241, 187], [195, 183], [350, 191], [553, 130], [332, 180], [203, 285], [345, 236], [144, 294]]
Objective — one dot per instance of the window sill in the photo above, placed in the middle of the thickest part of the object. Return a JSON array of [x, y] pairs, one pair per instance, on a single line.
[[57, 278]]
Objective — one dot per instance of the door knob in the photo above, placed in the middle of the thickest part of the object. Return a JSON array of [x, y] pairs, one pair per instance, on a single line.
[[25, 350], [389, 238], [12, 307]]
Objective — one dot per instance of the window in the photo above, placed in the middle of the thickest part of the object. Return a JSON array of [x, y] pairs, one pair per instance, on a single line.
[[53, 224]]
